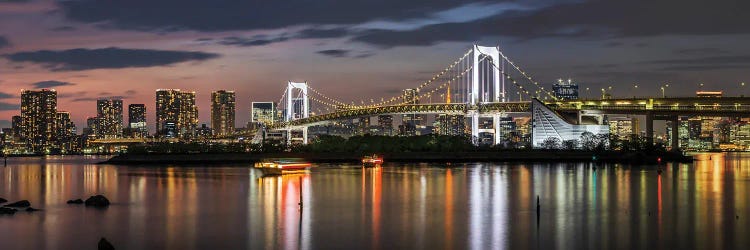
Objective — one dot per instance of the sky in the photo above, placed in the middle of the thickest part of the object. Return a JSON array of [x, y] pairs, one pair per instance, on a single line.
[[357, 49]]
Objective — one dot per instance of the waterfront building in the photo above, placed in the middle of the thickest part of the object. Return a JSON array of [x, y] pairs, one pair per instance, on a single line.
[[38, 119], [565, 90], [204, 131], [109, 114], [66, 132], [450, 124], [137, 120], [363, 125], [410, 122], [16, 127], [385, 124], [624, 128], [176, 113], [523, 128], [222, 112], [506, 128], [263, 114], [549, 125]]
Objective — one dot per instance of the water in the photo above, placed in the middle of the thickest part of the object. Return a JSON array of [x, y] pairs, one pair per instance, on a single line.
[[427, 206]]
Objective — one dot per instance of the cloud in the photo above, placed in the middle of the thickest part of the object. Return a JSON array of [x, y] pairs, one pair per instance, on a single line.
[[334, 52], [741, 59], [4, 42], [700, 51], [71, 94], [63, 28], [51, 84], [9, 106], [591, 19], [14, 1], [253, 41], [93, 99], [228, 15], [106, 58], [6, 95], [315, 33]]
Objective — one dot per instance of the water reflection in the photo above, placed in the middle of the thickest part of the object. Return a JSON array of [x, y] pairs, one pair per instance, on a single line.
[[478, 206]]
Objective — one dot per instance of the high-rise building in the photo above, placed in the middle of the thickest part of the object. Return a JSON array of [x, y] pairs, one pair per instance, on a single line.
[[66, 132], [565, 90], [222, 112], [38, 116], [506, 128], [176, 113], [410, 122], [91, 124], [450, 124], [137, 120], [385, 124], [65, 127], [109, 114], [16, 127], [624, 128], [263, 113]]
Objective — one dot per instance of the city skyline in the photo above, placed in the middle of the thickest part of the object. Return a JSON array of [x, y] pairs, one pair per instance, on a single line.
[[80, 53]]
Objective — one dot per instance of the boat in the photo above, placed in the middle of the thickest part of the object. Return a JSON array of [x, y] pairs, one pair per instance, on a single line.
[[283, 166], [372, 160]]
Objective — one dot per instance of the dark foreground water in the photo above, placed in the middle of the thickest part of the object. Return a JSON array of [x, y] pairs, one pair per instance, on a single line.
[[427, 206]]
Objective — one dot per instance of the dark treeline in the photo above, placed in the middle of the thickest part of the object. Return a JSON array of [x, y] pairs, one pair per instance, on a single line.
[[400, 144], [388, 144]]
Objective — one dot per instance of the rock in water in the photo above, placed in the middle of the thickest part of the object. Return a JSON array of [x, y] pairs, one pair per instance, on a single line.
[[31, 209], [76, 201], [5, 210], [97, 201], [3, 200], [23, 203], [105, 245]]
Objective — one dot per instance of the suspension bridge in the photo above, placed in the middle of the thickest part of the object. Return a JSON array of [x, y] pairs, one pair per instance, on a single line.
[[476, 86]]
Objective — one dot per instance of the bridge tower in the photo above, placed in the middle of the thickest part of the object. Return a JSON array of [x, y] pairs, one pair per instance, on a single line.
[[485, 77], [297, 107]]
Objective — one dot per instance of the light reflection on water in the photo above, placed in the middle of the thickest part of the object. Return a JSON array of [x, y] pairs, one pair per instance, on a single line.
[[479, 206]]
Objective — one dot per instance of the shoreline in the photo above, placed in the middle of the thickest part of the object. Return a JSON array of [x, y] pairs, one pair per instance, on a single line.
[[495, 156]]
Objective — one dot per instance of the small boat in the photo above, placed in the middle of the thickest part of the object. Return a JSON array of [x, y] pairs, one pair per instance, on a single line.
[[372, 160], [283, 166]]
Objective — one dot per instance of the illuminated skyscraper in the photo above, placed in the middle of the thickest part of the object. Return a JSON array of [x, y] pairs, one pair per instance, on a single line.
[[66, 132], [222, 112], [137, 120], [109, 114], [409, 122], [450, 124], [176, 113], [623, 127], [16, 127], [38, 116], [385, 124], [263, 113]]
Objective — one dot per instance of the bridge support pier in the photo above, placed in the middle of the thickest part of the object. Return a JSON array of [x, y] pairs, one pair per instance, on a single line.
[[496, 127], [650, 129], [289, 136], [474, 127], [675, 143]]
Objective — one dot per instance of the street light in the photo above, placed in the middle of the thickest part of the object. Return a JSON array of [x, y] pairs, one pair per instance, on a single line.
[[603, 93], [662, 89]]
